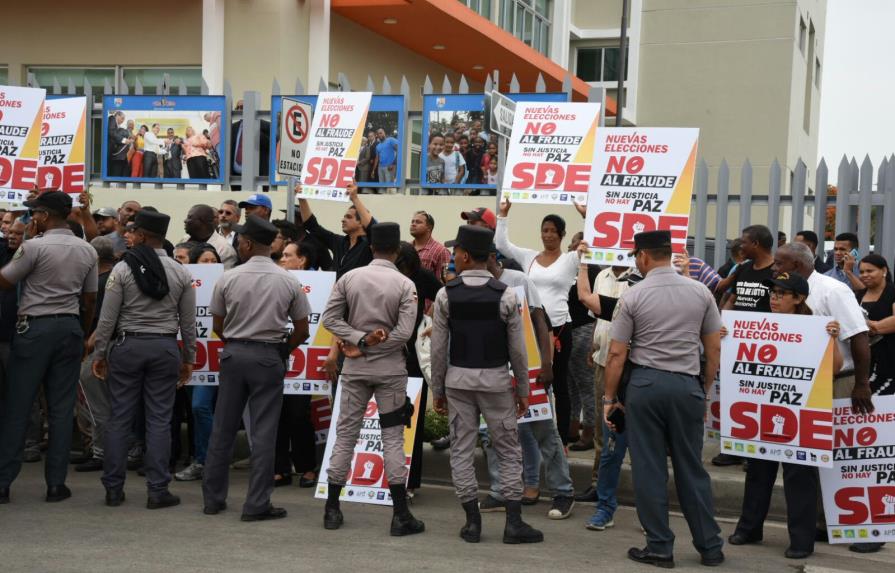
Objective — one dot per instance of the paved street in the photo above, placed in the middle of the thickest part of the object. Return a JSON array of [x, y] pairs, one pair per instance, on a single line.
[[81, 534]]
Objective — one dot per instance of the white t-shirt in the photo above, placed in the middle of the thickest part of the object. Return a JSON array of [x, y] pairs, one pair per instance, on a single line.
[[829, 297], [515, 279], [453, 161]]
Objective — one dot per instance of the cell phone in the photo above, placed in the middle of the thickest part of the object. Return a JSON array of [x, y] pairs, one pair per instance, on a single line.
[[617, 417]]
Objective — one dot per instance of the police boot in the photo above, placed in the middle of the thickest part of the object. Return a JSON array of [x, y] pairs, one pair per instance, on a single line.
[[403, 522], [472, 531], [332, 516], [516, 530]]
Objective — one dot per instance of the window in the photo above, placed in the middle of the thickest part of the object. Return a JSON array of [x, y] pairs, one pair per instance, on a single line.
[[528, 20], [97, 77], [416, 138], [803, 32], [4, 75], [482, 7], [598, 64], [152, 77]]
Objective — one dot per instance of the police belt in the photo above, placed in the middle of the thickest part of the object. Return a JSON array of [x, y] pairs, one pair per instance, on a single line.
[[640, 366], [255, 342], [44, 316], [149, 334]]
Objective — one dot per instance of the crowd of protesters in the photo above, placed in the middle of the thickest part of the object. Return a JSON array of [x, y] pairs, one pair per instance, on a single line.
[[573, 309]]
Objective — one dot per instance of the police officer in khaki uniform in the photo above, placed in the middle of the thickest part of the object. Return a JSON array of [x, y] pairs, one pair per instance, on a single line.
[[148, 298], [477, 331], [664, 320], [380, 305], [56, 274], [251, 306]]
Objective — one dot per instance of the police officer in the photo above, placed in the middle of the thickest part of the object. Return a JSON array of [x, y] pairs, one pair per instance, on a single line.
[[663, 321], [148, 298], [251, 306], [477, 331], [56, 274], [372, 309]]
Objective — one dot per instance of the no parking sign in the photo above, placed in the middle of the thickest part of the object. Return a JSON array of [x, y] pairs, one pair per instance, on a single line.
[[295, 125]]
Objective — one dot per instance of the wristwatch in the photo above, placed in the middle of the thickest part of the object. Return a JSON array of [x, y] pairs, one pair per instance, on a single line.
[[609, 402], [362, 343]]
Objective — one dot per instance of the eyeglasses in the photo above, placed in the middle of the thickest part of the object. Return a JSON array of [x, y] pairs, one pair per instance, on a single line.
[[779, 293]]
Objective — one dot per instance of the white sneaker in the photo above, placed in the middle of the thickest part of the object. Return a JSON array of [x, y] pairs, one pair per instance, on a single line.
[[192, 472]]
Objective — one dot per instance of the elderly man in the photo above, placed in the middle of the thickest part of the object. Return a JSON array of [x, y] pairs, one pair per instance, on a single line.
[[200, 228]]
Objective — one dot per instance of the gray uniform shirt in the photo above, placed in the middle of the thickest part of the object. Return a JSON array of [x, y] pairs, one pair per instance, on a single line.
[[257, 299], [478, 379], [54, 269], [664, 319], [127, 309], [372, 297]]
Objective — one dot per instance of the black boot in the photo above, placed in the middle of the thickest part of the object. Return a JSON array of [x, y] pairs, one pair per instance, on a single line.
[[516, 530], [403, 522], [332, 517], [472, 531]]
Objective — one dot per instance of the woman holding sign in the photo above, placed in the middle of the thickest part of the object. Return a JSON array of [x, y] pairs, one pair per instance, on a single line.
[[788, 292], [878, 300], [552, 271]]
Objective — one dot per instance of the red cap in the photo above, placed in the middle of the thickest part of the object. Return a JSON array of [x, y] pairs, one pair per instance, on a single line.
[[481, 214]]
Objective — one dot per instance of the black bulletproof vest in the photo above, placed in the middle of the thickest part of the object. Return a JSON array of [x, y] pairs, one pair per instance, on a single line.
[[478, 334]]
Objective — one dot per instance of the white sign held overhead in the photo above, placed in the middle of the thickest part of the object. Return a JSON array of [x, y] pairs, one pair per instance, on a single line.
[[295, 125]]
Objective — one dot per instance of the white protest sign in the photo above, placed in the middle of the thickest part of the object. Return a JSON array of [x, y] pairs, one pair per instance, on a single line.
[[208, 345], [367, 481], [777, 387], [295, 126], [551, 151], [642, 180], [63, 146], [20, 130], [304, 375], [334, 145], [859, 490]]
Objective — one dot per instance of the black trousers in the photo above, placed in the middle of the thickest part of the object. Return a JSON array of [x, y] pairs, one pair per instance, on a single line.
[[296, 444], [800, 487], [182, 413], [197, 167], [561, 354], [414, 481], [119, 168], [150, 165]]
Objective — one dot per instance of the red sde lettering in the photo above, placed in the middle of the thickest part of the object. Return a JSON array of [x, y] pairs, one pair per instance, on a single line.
[[850, 501], [546, 176], [329, 171], [68, 178], [18, 173], [368, 470], [617, 230], [209, 355], [757, 422], [309, 366]]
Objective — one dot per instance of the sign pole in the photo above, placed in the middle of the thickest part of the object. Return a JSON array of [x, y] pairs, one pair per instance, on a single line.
[[501, 165], [290, 199]]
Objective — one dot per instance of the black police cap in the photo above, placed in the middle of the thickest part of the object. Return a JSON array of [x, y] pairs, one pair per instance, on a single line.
[[257, 229], [473, 239], [653, 240], [385, 236], [55, 201], [152, 221], [788, 281]]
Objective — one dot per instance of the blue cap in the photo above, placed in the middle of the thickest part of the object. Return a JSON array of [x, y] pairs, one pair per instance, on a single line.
[[258, 200]]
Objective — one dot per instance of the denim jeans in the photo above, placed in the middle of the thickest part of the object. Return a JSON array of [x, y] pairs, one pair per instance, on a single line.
[[539, 440], [203, 416], [611, 459]]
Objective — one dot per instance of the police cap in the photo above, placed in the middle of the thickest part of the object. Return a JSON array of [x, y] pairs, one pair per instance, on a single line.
[[258, 230], [652, 240], [152, 221], [385, 236], [55, 201], [473, 239]]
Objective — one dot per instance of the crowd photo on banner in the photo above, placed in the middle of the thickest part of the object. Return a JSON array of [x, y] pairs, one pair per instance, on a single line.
[[337, 352]]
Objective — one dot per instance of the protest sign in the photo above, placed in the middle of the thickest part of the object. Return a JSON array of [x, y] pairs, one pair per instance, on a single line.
[[208, 346], [777, 388], [321, 417], [367, 481], [337, 129], [859, 490], [539, 406], [304, 375], [550, 153], [642, 180], [713, 412], [20, 131], [63, 146]]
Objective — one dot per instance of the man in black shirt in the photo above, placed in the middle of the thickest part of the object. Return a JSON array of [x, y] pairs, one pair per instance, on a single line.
[[352, 249], [810, 239]]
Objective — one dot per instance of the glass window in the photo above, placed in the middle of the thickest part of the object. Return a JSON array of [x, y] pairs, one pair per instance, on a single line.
[[416, 138], [4, 75], [482, 7], [610, 64], [152, 77], [528, 20], [589, 64], [542, 7], [96, 76]]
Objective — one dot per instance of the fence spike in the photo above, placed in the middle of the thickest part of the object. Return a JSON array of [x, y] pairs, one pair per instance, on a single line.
[[463, 86], [844, 188], [865, 205], [322, 86], [405, 87], [540, 84], [344, 84], [745, 195], [387, 85], [371, 87], [275, 87], [138, 87], [160, 87], [799, 184], [701, 192], [446, 87], [107, 87], [774, 180], [32, 81], [57, 87], [820, 199], [720, 215], [181, 88], [299, 87], [427, 85], [204, 89], [567, 85], [488, 86], [514, 84]]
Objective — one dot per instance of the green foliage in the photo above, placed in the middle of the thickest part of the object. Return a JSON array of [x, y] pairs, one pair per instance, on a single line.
[[436, 426]]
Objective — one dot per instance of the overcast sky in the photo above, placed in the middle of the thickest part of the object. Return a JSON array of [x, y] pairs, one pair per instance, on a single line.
[[857, 106]]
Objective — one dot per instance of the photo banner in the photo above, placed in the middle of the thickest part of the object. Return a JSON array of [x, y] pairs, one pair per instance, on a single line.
[[777, 388], [208, 345], [21, 113], [337, 130], [164, 138], [367, 482], [550, 153], [859, 490], [642, 180], [304, 375], [63, 145]]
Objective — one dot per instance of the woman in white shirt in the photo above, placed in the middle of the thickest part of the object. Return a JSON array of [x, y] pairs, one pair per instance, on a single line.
[[551, 270]]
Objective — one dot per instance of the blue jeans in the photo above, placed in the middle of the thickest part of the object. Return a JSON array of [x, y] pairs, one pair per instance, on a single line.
[[539, 440], [610, 469], [203, 416]]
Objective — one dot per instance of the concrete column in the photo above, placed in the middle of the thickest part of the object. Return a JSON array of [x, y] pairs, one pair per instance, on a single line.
[[213, 45], [318, 43], [560, 20]]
